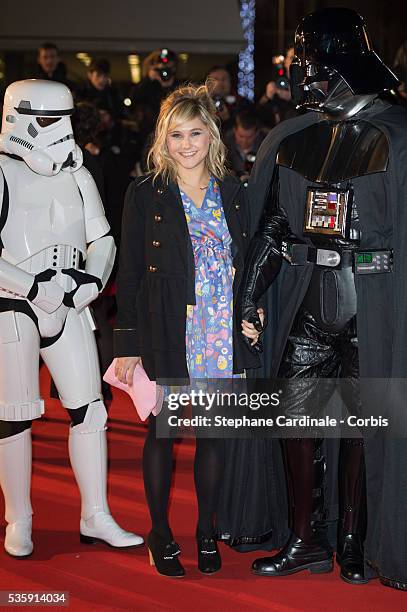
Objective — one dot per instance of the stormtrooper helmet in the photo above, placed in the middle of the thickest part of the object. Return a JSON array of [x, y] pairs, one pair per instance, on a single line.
[[37, 126]]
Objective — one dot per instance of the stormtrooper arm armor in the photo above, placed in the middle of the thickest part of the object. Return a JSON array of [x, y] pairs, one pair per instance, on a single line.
[[101, 251], [39, 289], [95, 218], [263, 261]]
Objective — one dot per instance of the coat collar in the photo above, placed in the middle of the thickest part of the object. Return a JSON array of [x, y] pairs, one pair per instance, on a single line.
[[229, 187], [165, 192]]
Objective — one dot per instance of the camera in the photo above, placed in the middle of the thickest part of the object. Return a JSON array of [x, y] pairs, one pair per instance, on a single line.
[[165, 73], [249, 161], [166, 61], [219, 102], [283, 83]]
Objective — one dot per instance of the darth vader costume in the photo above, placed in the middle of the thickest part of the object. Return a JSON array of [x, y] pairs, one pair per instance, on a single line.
[[328, 195]]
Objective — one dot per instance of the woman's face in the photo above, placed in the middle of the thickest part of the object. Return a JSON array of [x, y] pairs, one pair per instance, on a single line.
[[188, 143]]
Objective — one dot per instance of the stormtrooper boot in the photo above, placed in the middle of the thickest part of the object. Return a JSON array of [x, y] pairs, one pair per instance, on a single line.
[[15, 481], [88, 455]]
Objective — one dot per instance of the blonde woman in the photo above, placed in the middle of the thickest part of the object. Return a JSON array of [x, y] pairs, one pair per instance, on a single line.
[[185, 228]]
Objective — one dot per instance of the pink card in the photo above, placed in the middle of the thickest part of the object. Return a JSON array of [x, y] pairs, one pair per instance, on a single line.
[[147, 396]]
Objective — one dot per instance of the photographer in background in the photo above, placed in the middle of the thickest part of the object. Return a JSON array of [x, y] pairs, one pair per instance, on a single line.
[[49, 66], [276, 105], [227, 103], [159, 79], [98, 89], [243, 142]]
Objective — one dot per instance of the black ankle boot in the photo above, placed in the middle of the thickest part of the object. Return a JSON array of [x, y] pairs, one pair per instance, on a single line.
[[350, 558], [164, 555], [209, 560], [297, 556]]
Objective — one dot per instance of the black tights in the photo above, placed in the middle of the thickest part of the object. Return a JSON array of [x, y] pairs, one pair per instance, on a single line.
[[157, 472]]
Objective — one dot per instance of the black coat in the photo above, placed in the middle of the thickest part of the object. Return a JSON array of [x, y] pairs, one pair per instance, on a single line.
[[156, 278]]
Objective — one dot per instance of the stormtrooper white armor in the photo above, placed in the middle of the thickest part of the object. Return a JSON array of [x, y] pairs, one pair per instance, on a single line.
[[55, 259]]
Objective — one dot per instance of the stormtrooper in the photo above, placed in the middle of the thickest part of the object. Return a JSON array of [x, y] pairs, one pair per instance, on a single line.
[[328, 189], [55, 259]]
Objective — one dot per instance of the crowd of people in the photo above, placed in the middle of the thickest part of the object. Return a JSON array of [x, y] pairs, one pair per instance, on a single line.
[[128, 130], [125, 133]]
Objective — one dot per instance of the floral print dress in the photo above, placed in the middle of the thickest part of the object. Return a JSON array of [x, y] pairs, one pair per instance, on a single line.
[[209, 324]]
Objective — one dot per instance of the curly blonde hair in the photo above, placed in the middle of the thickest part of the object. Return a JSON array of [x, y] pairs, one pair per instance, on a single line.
[[184, 104]]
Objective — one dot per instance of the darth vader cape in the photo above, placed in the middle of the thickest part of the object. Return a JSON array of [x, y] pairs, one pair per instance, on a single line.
[[381, 200]]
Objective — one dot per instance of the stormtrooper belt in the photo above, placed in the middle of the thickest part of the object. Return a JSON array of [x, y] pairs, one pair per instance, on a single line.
[[377, 261]]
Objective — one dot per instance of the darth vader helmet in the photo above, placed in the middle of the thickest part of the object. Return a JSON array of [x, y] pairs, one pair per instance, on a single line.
[[334, 60]]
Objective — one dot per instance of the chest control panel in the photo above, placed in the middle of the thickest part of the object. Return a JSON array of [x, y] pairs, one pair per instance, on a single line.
[[373, 262]]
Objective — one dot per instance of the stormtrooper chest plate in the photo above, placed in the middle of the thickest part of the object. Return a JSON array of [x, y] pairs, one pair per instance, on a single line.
[[43, 212]]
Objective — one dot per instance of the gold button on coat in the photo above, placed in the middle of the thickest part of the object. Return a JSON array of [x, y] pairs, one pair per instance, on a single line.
[[152, 268], [156, 243]]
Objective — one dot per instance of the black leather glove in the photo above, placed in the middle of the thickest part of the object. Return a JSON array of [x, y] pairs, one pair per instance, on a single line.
[[262, 265]]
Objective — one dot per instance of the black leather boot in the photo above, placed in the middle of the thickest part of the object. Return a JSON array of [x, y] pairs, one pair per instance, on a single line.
[[297, 556], [209, 560], [352, 518], [350, 557], [319, 501], [164, 555], [310, 550]]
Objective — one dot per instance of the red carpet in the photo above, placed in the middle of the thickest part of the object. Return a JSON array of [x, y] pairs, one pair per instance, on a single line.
[[101, 578]]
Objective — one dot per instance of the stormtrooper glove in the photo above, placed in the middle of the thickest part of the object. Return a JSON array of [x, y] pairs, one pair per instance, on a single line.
[[87, 289], [45, 293]]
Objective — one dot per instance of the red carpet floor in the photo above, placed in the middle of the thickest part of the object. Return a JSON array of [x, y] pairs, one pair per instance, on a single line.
[[101, 578]]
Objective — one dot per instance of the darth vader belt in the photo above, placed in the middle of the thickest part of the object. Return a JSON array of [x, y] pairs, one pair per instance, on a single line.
[[362, 262], [327, 212], [300, 254]]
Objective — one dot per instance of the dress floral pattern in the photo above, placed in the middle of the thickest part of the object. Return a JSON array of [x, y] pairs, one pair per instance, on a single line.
[[209, 326]]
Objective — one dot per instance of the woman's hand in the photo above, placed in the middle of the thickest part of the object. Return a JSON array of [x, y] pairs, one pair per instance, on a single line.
[[250, 331], [124, 369]]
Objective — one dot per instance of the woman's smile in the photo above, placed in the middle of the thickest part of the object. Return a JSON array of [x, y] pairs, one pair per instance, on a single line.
[[188, 143]]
